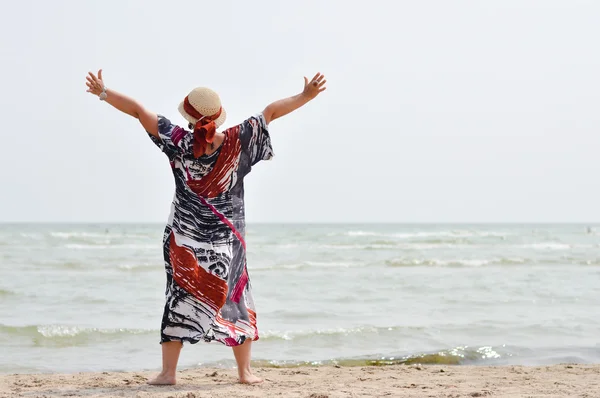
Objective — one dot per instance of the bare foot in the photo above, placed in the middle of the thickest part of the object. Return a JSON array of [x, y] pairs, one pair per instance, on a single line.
[[249, 378], [162, 380]]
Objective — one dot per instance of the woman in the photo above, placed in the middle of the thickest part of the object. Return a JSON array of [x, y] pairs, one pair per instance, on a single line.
[[209, 296]]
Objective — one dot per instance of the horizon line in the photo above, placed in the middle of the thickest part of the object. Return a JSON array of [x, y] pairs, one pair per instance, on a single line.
[[311, 222]]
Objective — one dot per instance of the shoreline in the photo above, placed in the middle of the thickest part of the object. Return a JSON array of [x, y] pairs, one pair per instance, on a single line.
[[323, 382]]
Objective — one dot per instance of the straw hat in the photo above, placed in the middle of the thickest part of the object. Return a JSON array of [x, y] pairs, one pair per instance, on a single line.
[[206, 102]]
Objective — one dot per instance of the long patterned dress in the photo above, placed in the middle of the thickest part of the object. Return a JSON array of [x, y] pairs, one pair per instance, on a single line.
[[209, 295]]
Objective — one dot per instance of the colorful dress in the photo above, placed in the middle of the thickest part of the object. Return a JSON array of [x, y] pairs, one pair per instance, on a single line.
[[209, 296]]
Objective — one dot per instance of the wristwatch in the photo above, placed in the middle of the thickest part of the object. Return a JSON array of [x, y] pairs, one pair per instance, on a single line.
[[103, 94]]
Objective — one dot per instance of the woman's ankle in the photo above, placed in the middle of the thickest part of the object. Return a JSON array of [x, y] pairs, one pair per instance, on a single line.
[[168, 372]]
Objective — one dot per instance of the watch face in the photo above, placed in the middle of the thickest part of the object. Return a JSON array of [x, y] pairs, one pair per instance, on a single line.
[[102, 96]]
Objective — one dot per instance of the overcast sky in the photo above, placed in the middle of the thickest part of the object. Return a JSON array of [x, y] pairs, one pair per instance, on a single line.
[[436, 111]]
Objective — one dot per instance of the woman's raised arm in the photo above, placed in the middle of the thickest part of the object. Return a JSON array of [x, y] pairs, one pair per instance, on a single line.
[[284, 106], [123, 103]]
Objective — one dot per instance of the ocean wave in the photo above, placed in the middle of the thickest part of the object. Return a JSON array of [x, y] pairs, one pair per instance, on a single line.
[[413, 262], [547, 246], [303, 265], [431, 244], [455, 356], [70, 235], [360, 233], [393, 246], [97, 235], [335, 332], [588, 262], [270, 245], [344, 246], [497, 261], [51, 331], [97, 240], [140, 267], [30, 235], [63, 331], [462, 355], [69, 265], [297, 334], [77, 246], [430, 234]]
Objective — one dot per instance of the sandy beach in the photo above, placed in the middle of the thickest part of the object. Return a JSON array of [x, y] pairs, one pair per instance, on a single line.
[[321, 382]]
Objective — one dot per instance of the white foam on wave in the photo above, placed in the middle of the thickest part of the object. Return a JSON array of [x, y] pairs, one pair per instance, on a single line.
[[72, 331], [76, 246], [136, 267], [486, 352], [353, 247], [395, 246], [363, 233], [335, 264], [286, 246], [428, 234], [59, 331], [69, 235], [95, 235], [440, 263], [305, 264], [30, 236], [546, 246], [471, 262], [294, 334]]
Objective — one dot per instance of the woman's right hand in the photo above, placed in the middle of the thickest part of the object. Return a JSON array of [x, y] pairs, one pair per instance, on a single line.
[[95, 83]]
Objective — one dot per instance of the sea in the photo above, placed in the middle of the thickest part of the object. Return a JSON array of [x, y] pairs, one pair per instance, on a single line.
[[89, 297]]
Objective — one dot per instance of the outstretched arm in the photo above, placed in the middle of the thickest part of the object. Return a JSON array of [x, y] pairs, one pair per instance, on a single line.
[[284, 106], [123, 103]]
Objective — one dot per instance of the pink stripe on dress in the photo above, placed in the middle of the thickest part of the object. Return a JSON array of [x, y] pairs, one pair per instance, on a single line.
[[177, 134], [236, 294]]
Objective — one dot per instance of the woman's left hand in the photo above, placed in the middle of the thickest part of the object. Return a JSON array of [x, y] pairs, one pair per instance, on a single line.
[[315, 86], [95, 83]]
